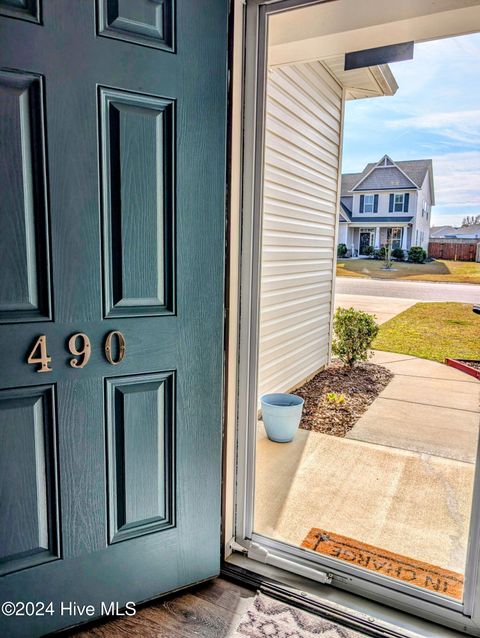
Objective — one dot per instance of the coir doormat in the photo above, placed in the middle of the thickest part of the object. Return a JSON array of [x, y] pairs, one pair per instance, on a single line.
[[414, 572]]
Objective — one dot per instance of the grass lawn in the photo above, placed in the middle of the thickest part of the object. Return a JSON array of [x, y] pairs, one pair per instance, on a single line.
[[432, 331], [464, 272]]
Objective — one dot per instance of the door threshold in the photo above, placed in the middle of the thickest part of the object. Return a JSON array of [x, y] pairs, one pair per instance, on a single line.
[[356, 612]]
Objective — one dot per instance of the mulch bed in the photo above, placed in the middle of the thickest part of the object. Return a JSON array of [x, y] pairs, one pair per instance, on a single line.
[[360, 386]]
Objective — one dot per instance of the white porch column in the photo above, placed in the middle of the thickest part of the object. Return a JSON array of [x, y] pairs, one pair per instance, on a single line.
[[377, 237], [404, 238]]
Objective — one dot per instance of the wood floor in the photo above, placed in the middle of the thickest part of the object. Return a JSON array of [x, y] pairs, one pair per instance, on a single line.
[[211, 610]]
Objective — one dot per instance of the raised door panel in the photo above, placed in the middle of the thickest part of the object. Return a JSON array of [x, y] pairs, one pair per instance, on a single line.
[[24, 290], [137, 179], [22, 9], [147, 22], [140, 437], [29, 521]]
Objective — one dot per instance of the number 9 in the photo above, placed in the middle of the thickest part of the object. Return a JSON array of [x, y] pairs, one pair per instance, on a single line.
[[84, 352]]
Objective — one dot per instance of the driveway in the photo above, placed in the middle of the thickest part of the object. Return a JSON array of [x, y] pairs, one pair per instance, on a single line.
[[419, 290]]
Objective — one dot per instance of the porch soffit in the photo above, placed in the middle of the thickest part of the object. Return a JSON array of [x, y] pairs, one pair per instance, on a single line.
[[398, 221]]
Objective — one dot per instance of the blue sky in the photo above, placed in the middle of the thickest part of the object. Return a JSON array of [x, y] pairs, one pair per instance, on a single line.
[[434, 114]]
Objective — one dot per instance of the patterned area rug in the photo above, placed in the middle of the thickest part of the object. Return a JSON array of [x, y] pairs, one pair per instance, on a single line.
[[269, 618]]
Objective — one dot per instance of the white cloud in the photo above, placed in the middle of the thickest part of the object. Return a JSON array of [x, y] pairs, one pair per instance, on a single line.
[[457, 180], [460, 126]]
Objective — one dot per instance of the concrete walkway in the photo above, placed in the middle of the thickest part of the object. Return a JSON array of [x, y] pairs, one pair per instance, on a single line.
[[401, 481], [428, 407], [384, 308]]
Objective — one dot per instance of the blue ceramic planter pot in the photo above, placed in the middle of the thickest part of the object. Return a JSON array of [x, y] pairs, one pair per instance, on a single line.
[[281, 415]]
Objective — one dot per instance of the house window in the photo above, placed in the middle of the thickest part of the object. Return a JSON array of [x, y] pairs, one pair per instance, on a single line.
[[425, 209], [398, 202], [394, 236], [368, 204]]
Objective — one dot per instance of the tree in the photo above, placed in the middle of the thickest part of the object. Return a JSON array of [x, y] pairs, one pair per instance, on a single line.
[[470, 220], [388, 255]]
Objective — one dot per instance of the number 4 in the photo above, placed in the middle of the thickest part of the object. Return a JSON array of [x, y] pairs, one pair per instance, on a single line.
[[43, 359]]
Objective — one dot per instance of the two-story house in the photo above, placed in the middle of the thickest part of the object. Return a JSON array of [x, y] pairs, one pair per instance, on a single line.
[[387, 202]]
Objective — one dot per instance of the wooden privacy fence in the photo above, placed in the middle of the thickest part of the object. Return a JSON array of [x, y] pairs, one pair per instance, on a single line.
[[458, 251]]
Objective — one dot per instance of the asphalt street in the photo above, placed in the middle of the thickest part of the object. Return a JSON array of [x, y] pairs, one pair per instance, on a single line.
[[420, 290]]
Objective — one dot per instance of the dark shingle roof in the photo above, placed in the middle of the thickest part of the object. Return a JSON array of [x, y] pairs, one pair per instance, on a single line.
[[348, 182], [384, 178], [415, 170], [346, 205]]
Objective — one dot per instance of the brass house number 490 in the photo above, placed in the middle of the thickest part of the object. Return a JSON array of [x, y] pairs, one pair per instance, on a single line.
[[78, 345]]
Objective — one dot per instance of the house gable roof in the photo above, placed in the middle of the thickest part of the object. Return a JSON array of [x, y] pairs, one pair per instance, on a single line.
[[384, 174], [389, 175], [383, 178], [346, 208]]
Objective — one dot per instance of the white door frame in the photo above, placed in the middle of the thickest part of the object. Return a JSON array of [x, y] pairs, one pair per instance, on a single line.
[[462, 616]]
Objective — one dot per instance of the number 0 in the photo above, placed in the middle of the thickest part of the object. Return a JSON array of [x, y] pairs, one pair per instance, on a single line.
[[40, 345], [121, 347]]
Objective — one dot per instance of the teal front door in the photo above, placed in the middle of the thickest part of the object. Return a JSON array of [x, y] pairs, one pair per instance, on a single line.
[[112, 170]]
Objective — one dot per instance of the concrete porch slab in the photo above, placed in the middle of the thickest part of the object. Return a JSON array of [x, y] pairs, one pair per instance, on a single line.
[[417, 505], [401, 481]]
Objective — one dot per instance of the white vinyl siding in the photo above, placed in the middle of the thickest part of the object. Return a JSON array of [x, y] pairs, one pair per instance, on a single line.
[[422, 220], [303, 136], [383, 206]]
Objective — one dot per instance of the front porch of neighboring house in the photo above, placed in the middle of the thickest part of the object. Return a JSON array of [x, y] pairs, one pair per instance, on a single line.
[[359, 236]]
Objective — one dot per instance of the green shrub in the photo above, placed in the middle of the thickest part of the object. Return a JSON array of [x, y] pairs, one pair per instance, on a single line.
[[417, 255], [354, 332], [398, 253], [379, 253], [341, 250], [368, 251]]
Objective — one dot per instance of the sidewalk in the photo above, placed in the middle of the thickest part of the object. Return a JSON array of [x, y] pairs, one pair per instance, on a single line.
[[384, 308], [427, 408], [401, 481]]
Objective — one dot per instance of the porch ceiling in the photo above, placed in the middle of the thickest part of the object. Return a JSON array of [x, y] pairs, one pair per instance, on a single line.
[[362, 83], [330, 29], [384, 221]]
